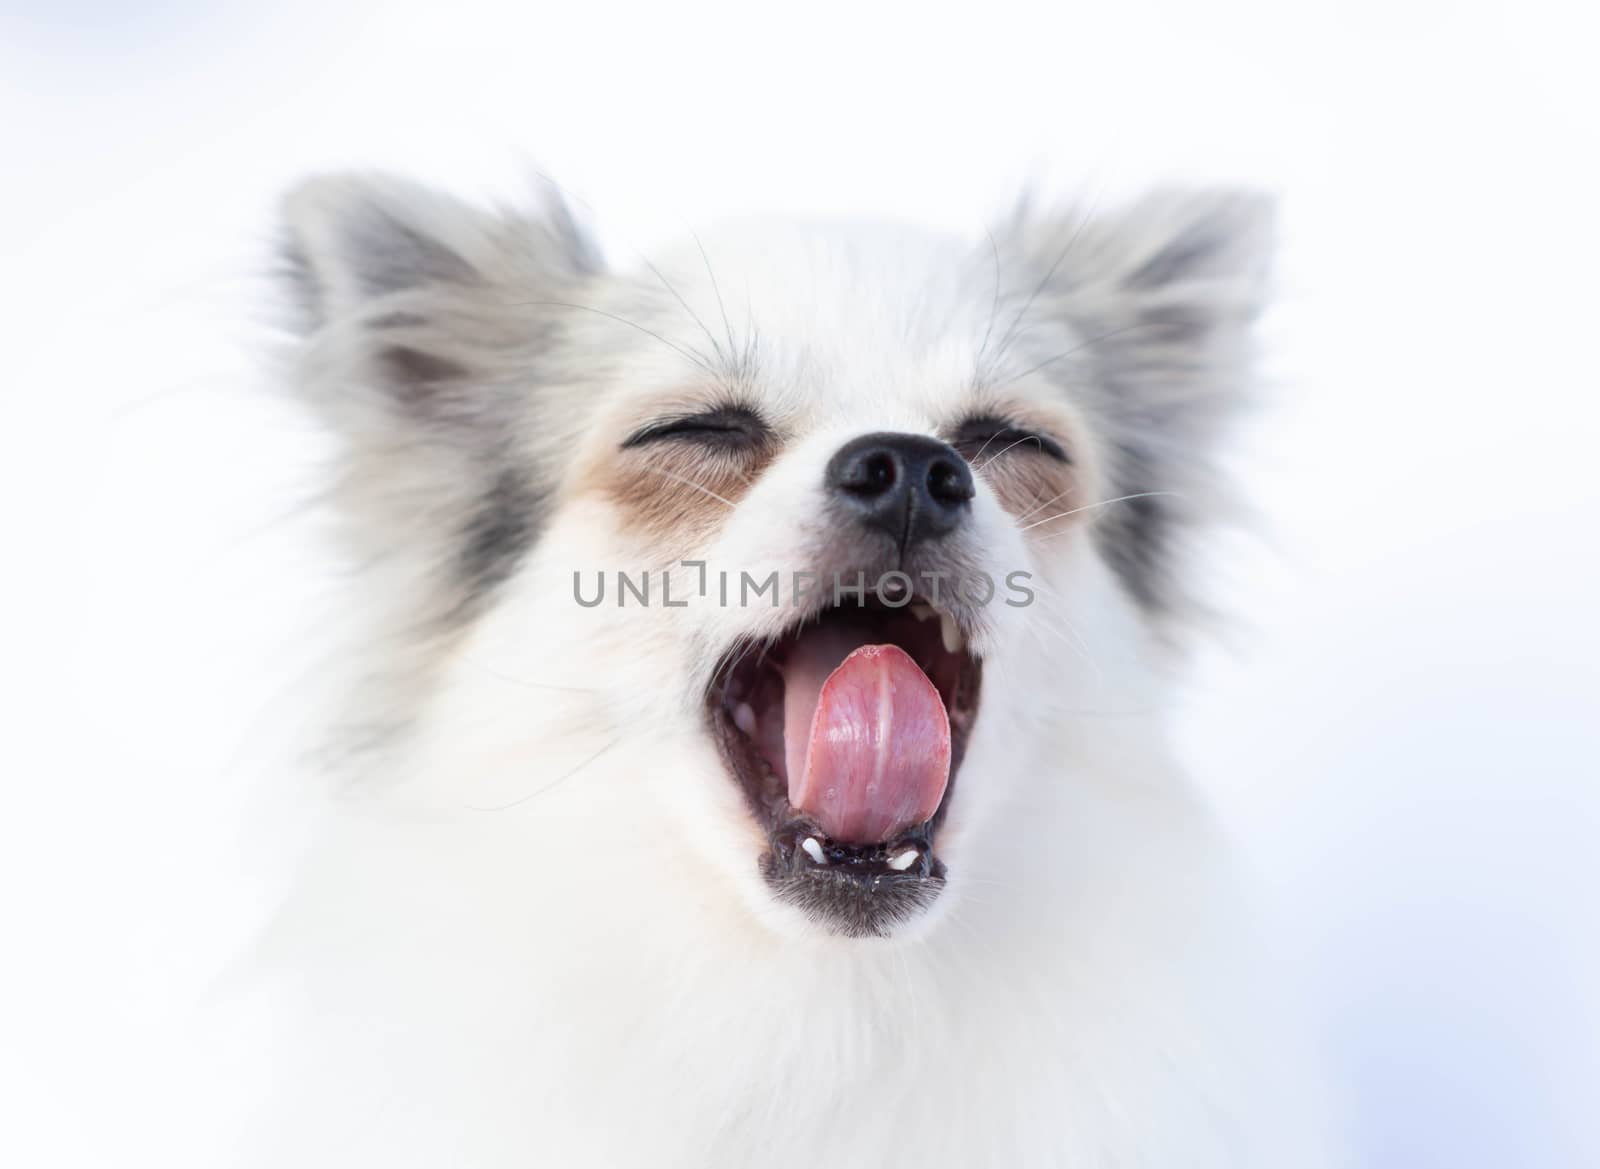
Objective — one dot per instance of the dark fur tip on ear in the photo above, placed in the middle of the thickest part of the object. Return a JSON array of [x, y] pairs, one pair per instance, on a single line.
[[351, 239], [418, 292], [1212, 237]]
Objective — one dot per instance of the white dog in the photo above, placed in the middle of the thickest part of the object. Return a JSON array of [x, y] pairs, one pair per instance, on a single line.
[[758, 755]]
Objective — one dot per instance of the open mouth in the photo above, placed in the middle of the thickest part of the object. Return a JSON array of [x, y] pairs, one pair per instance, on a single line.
[[846, 734]]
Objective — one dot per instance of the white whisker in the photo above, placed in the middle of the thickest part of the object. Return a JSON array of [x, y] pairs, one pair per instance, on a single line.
[[691, 483], [1019, 442], [1090, 506], [1039, 505]]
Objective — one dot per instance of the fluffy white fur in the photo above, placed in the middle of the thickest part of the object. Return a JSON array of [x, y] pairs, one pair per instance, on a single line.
[[533, 932]]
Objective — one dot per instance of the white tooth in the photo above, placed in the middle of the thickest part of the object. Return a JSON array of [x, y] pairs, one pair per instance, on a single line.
[[744, 718], [922, 610], [902, 861], [813, 850], [950, 632]]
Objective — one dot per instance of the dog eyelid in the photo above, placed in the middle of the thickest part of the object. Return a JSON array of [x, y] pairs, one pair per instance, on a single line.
[[725, 424], [993, 434]]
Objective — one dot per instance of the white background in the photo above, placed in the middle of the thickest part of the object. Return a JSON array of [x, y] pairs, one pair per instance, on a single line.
[[1403, 728]]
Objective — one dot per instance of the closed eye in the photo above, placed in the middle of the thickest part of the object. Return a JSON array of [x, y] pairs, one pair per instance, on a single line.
[[726, 427], [987, 438]]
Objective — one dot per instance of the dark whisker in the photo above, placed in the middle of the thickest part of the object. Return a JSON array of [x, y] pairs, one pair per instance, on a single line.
[[515, 681], [715, 347], [994, 307], [568, 195], [1044, 280], [554, 783], [722, 308], [678, 349], [1077, 348]]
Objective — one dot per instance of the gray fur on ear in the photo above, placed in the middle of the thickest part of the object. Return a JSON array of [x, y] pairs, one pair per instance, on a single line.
[[428, 346], [1158, 300], [353, 239]]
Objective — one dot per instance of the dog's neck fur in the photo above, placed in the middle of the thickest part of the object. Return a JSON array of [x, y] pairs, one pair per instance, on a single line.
[[1062, 1003]]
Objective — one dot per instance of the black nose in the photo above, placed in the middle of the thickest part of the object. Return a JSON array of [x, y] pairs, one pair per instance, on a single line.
[[912, 487]]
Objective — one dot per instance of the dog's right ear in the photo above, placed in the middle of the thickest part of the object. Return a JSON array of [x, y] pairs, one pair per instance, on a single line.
[[428, 348], [353, 239], [369, 249]]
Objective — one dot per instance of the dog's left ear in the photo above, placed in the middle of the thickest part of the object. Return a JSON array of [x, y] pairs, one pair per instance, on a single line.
[[1159, 299]]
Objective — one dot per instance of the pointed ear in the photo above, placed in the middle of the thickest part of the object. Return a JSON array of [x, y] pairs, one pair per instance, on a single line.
[[415, 296], [353, 239], [1158, 298], [428, 349], [1212, 247]]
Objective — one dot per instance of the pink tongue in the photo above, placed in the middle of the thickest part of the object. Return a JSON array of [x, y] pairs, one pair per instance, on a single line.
[[877, 757]]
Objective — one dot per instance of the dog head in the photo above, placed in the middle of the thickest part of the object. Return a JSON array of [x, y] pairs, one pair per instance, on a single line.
[[818, 535]]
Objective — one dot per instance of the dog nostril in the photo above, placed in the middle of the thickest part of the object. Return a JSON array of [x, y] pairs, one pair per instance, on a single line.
[[872, 475], [949, 482]]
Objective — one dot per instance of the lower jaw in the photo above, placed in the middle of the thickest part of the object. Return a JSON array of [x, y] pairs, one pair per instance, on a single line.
[[858, 891]]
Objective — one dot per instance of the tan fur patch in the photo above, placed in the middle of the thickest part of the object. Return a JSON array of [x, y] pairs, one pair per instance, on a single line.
[[1035, 489], [674, 492], [669, 491], [1042, 493]]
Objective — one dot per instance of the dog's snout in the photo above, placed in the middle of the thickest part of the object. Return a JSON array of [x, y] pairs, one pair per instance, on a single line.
[[910, 486]]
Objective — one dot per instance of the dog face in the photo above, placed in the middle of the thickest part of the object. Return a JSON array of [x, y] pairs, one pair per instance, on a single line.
[[823, 534]]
